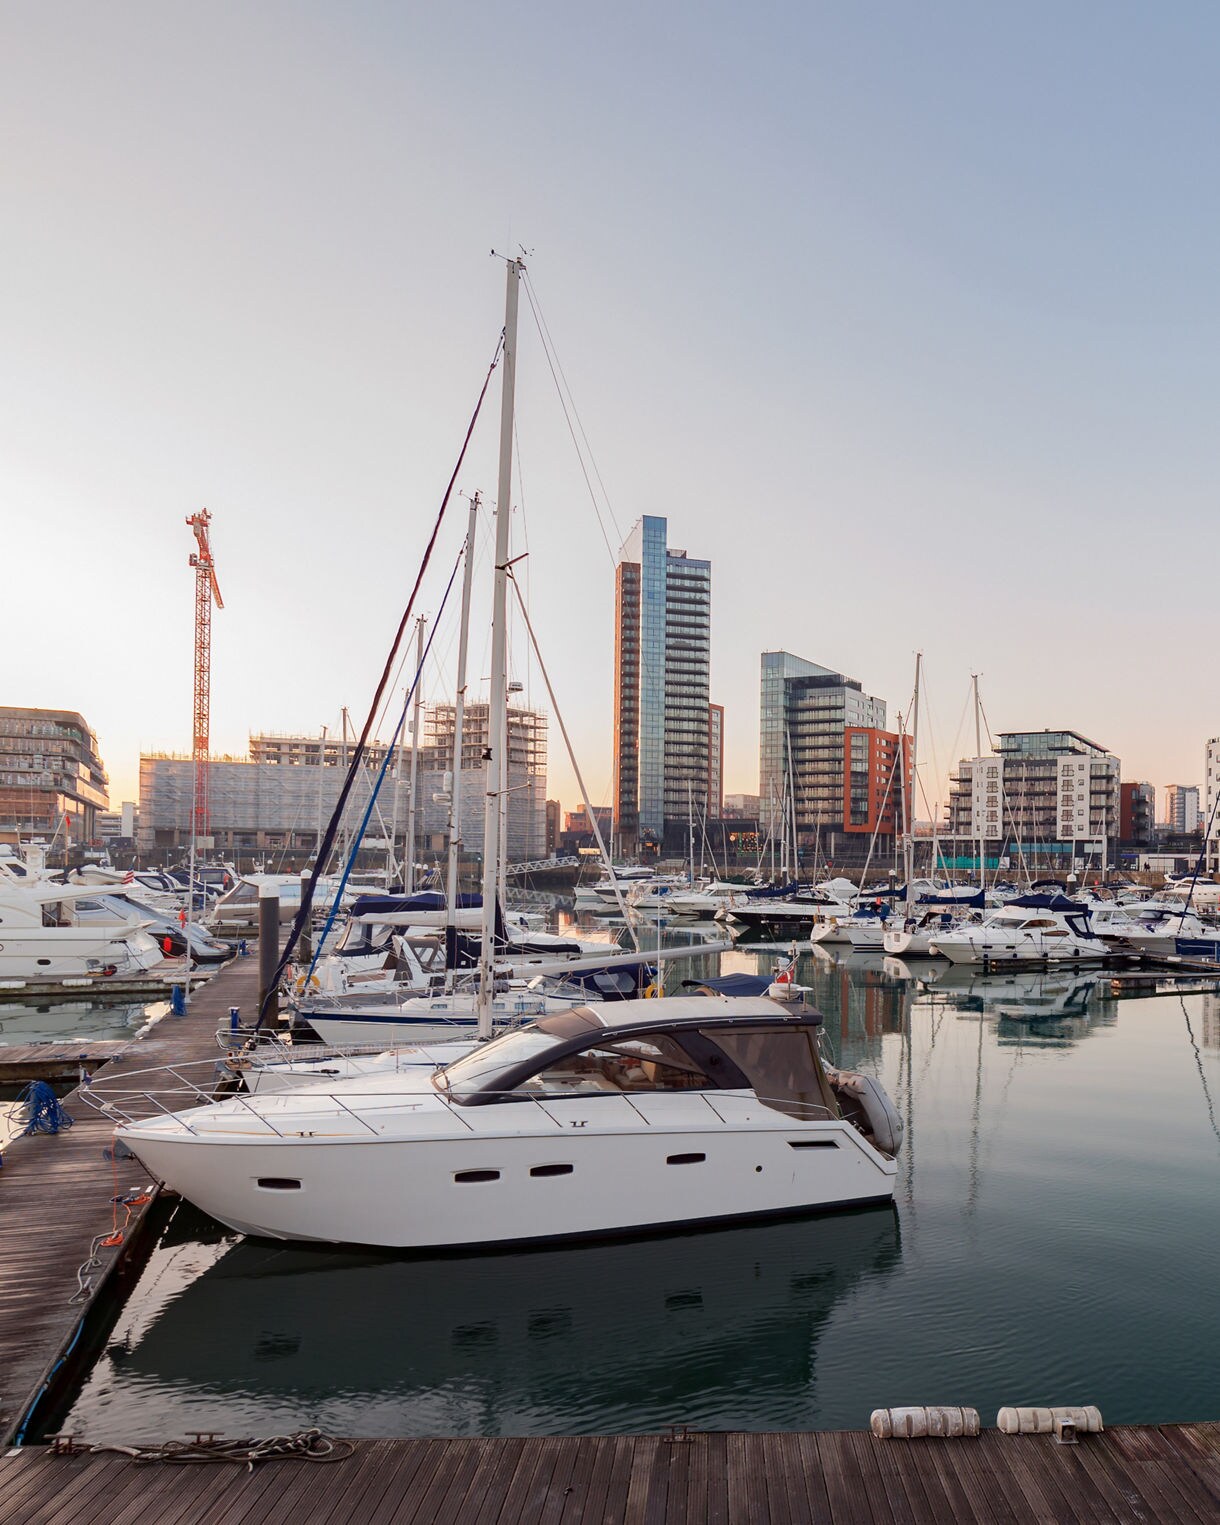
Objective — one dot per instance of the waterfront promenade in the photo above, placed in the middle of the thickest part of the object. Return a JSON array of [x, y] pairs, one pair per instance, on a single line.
[[1136, 1474], [57, 1202]]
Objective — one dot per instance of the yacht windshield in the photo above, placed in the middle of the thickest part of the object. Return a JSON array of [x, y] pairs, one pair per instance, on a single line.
[[476, 1070]]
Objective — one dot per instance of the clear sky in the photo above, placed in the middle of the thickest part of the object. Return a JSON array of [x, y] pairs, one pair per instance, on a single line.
[[905, 315]]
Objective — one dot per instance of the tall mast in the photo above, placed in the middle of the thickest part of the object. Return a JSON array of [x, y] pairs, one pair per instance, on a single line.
[[317, 840], [408, 882], [690, 829], [976, 791], [909, 794], [459, 715], [497, 714]]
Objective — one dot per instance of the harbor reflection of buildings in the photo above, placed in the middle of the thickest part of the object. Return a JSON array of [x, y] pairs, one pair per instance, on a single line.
[[860, 1002], [1209, 1036]]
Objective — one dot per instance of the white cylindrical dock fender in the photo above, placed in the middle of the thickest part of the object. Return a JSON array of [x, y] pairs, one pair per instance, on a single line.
[[933, 1423], [1041, 1421], [883, 1117]]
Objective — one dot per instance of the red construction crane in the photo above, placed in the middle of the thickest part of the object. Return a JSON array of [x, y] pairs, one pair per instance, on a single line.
[[206, 589]]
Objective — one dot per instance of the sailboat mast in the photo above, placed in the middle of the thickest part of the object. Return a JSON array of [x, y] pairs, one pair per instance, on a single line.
[[976, 791], [909, 795], [408, 878], [459, 716], [497, 713]]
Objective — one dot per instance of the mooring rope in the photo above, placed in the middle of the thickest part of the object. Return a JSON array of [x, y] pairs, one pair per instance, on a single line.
[[304, 1445]]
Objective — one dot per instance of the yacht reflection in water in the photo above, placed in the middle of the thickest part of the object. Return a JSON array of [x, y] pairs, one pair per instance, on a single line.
[[1054, 1007], [718, 1329]]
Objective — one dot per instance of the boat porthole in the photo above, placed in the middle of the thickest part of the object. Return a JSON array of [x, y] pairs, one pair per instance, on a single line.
[[278, 1183], [476, 1175], [758, 1170]]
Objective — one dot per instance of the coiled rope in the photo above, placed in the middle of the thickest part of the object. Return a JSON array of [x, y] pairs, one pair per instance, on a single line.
[[305, 1445], [46, 1113]]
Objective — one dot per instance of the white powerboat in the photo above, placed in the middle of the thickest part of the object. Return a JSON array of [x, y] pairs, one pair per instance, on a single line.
[[39, 941], [595, 1121], [914, 936], [1033, 929]]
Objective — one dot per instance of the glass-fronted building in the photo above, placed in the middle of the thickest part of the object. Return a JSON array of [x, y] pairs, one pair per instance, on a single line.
[[806, 713], [662, 651]]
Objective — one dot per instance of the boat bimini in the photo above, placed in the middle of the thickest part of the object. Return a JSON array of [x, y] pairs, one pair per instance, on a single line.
[[639, 1115]]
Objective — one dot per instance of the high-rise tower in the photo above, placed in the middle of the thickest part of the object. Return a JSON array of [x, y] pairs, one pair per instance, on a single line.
[[662, 644]]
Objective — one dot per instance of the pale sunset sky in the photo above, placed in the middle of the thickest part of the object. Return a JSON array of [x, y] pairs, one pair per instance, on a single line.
[[905, 316]]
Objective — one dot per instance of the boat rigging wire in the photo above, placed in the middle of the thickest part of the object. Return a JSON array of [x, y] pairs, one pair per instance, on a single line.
[[375, 786], [564, 393], [301, 919], [584, 793]]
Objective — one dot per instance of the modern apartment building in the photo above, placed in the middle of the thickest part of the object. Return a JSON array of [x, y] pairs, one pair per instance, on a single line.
[[878, 781], [1136, 814], [1048, 797], [662, 642], [1211, 816], [715, 761], [1181, 807], [50, 771], [807, 715]]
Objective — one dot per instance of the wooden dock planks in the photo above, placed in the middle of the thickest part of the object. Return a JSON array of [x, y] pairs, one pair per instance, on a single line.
[[56, 1196], [1128, 1474]]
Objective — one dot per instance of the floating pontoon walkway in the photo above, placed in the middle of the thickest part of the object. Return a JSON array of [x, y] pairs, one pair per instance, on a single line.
[[56, 1196], [1166, 1473]]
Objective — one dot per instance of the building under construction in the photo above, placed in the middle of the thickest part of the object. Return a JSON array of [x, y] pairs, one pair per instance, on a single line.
[[279, 798]]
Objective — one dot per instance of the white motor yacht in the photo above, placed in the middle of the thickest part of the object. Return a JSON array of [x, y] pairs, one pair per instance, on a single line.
[[39, 941], [914, 936], [1151, 926], [828, 925], [595, 1121], [1032, 929]]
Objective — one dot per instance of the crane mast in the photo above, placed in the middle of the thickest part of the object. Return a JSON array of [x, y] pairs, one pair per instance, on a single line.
[[206, 589]]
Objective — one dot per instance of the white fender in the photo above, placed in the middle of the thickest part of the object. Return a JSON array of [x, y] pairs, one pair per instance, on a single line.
[[883, 1117]]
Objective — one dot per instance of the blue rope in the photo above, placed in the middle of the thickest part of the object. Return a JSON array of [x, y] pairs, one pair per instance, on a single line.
[[46, 1113], [381, 773]]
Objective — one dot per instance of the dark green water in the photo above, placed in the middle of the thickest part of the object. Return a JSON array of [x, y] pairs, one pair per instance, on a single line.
[[1055, 1239]]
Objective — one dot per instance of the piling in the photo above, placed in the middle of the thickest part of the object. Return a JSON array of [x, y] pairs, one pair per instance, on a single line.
[[268, 944]]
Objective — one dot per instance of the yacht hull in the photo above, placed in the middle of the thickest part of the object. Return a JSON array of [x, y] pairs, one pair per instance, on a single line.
[[55, 953], [483, 1188]]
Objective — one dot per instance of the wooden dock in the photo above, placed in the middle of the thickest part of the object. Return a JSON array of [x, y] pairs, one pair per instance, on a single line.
[[1136, 1474], [22, 1062], [115, 989], [56, 1202]]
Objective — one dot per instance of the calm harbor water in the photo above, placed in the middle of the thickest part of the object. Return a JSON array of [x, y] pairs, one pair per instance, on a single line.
[[1054, 1239], [73, 1021]]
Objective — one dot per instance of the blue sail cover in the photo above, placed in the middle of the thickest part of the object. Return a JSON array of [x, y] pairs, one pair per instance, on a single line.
[[733, 984], [1049, 903], [974, 902], [397, 905], [619, 982], [773, 891]]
